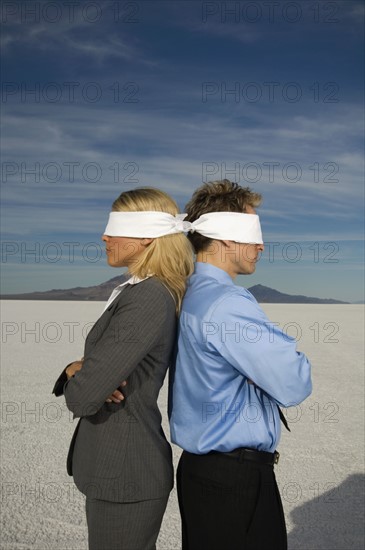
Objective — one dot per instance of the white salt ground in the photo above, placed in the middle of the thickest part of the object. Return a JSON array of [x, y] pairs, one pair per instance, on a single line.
[[320, 474]]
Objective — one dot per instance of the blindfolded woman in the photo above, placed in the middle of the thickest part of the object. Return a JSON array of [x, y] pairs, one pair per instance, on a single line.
[[119, 456]]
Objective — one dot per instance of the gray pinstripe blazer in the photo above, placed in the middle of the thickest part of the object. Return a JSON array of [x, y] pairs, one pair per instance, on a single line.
[[119, 452]]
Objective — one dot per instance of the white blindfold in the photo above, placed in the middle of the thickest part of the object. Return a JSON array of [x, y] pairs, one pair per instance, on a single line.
[[230, 226]]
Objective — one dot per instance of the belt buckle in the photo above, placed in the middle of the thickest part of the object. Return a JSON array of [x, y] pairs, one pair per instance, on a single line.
[[276, 457]]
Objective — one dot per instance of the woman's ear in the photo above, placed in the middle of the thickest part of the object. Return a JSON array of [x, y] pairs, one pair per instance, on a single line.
[[146, 242]]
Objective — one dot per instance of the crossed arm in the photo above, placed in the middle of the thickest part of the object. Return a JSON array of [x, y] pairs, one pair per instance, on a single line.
[[115, 397], [135, 327]]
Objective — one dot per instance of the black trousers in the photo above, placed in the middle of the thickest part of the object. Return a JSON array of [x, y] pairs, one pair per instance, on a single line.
[[229, 505]]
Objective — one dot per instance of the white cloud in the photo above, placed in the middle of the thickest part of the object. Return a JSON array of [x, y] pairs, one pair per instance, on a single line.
[[74, 36]]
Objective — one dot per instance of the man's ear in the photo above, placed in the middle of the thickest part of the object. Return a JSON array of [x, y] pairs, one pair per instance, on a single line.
[[228, 244]]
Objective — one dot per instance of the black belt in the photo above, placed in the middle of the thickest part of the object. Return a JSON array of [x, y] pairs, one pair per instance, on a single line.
[[243, 454]]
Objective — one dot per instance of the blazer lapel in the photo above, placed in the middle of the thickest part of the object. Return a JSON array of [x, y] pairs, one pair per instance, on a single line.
[[103, 321]]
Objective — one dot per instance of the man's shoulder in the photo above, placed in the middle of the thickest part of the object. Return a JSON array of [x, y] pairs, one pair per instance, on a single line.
[[216, 299], [218, 290], [234, 297]]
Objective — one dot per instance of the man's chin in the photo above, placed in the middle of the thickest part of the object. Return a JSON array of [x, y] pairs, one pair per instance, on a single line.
[[248, 270]]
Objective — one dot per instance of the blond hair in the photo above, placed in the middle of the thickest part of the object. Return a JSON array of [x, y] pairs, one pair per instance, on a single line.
[[169, 258]]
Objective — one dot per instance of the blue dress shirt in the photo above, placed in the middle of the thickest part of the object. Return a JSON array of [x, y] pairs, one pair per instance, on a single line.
[[233, 368]]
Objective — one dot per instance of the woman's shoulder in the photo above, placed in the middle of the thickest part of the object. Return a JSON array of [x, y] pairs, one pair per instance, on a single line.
[[153, 289]]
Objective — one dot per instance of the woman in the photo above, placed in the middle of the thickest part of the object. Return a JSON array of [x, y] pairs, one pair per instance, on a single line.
[[119, 456]]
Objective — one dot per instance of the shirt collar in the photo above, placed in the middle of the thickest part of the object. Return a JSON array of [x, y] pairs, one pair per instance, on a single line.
[[132, 280], [203, 268]]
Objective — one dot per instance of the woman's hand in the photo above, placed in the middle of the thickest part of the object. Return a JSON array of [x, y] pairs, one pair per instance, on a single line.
[[73, 368], [116, 396]]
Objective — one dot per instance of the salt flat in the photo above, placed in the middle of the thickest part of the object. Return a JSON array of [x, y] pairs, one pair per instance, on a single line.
[[320, 473]]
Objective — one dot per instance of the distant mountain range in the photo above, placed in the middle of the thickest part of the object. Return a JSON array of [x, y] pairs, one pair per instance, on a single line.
[[264, 294], [101, 293]]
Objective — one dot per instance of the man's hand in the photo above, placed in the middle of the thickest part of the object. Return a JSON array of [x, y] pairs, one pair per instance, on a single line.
[[73, 368], [116, 396]]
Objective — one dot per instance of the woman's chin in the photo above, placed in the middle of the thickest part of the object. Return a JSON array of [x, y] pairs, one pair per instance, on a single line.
[[110, 262], [113, 263]]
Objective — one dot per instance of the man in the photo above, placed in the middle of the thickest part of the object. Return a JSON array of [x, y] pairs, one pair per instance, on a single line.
[[233, 369]]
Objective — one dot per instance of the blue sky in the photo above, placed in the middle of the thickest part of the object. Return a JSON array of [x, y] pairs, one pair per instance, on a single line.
[[107, 96]]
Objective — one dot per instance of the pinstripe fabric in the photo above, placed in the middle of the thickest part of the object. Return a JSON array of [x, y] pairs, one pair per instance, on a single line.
[[117, 526], [119, 452]]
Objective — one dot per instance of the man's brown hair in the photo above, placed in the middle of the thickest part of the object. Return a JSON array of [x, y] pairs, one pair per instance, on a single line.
[[217, 196]]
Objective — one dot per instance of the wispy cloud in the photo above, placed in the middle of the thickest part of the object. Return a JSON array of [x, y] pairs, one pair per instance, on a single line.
[[72, 36]]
